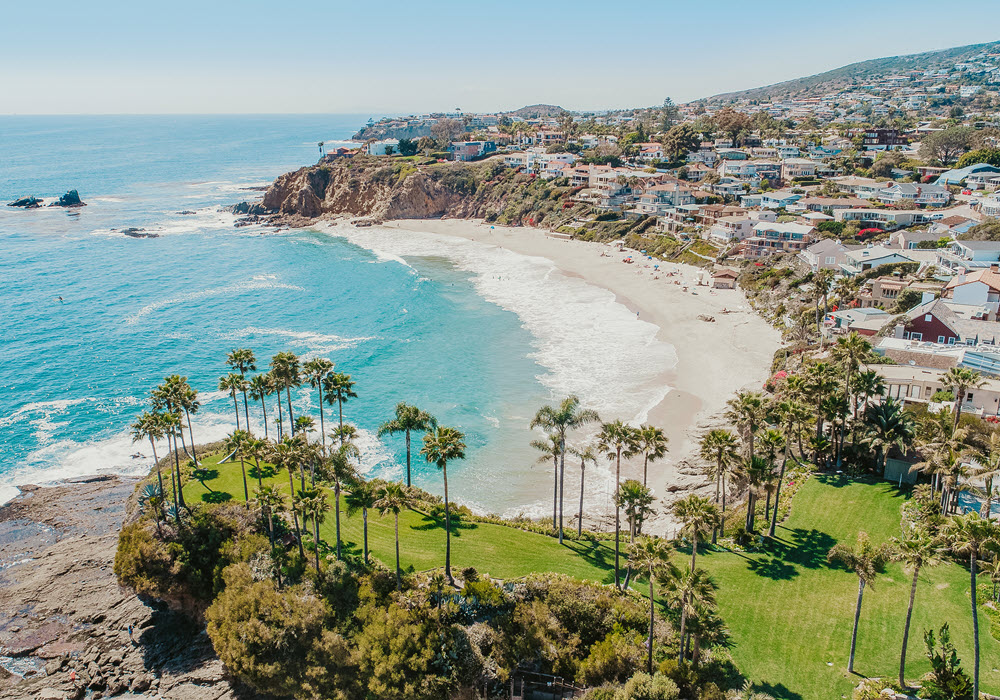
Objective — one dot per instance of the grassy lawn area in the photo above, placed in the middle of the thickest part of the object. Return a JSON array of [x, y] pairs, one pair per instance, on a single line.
[[789, 614]]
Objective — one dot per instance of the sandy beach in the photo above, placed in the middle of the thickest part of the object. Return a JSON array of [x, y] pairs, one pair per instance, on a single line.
[[714, 359]]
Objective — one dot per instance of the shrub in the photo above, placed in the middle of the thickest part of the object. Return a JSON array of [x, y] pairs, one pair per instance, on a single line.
[[615, 658], [642, 686]]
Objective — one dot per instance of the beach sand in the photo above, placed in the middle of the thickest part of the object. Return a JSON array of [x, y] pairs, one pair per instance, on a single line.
[[714, 359]]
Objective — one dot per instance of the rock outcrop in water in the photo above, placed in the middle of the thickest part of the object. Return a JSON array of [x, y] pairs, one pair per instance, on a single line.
[[380, 189], [26, 203], [70, 199]]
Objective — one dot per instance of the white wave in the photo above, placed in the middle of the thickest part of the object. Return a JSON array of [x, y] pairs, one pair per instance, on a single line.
[[588, 343], [314, 343], [40, 410], [235, 288]]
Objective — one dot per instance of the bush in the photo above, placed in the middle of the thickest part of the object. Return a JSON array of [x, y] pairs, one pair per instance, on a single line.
[[941, 395], [615, 658], [642, 686]]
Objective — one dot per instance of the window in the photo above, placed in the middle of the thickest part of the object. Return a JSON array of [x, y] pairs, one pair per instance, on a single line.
[[928, 317], [951, 341], [968, 399], [941, 339], [916, 336], [831, 260]]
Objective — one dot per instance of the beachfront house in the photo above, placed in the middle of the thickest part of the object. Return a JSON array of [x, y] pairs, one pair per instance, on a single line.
[[861, 259], [770, 238], [825, 254], [911, 194], [724, 278]]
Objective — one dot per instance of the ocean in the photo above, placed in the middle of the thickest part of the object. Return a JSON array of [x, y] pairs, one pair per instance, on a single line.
[[476, 335]]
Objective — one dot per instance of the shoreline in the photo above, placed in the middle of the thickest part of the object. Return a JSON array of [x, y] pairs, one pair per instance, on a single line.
[[700, 382]]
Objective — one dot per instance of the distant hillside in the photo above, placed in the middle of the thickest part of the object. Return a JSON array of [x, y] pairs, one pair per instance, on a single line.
[[536, 112], [839, 78]]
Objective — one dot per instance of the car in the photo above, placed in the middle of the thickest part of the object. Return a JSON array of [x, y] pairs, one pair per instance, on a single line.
[[966, 191]]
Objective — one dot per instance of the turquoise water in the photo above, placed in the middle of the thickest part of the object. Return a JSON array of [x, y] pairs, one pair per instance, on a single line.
[[475, 334], [73, 374]]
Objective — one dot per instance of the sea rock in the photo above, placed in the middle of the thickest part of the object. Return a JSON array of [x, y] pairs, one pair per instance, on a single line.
[[26, 203], [187, 212], [133, 232], [246, 208], [70, 199]]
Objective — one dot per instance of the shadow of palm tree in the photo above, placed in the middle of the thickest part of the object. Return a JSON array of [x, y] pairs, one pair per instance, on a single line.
[[778, 692], [772, 568], [428, 522], [808, 548], [216, 497], [266, 471], [600, 554]]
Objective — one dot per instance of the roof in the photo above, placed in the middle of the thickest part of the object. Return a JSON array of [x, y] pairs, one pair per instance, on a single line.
[[986, 276], [958, 174], [978, 245], [783, 228], [725, 272]]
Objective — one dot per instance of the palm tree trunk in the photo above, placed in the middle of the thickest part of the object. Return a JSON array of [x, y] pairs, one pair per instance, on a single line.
[[180, 482], [447, 527], [260, 482], [291, 417], [246, 407], [159, 475], [236, 408], [767, 507], [579, 522], [694, 551], [407, 458], [722, 516], [280, 421], [618, 512], [246, 491], [340, 411], [399, 583], [975, 624], [906, 628], [263, 406], [364, 519], [649, 643], [777, 491], [322, 427], [336, 505], [295, 515], [562, 483], [194, 455], [718, 479], [645, 464], [857, 617], [316, 538], [555, 492], [680, 655]]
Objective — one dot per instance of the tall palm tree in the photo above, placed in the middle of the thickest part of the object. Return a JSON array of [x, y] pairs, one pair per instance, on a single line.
[[442, 445], [172, 428], [261, 387], [189, 404], [236, 445], [257, 449], [698, 517], [287, 373], [916, 549], [754, 473], [314, 370], [865, 386], [821, 380], [150, 426], [408, 419], [287, 454], [719, 448], [243, 360], [550, 449], [691, 590], [960, 380], [987, 468], [586, 454], [170, 397], [865, 559], [617, 440], [339, 389], [559, 420], [271, 501], [649, 555], [313, 504], [393, 498], [652, 446], [889, 426], [635, 499], [362, 497], [748, 412], [233, 384], [769, 443], [973, 536], [341, 471]]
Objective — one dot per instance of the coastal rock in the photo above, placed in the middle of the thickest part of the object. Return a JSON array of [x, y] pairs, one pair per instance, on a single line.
[[26, 203], [139, 233], [70, 199]]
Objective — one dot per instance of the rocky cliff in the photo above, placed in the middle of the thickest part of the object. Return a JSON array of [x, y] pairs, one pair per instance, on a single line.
[[379, 189]]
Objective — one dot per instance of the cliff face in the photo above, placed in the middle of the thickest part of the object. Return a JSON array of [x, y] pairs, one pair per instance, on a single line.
[[386, 188]]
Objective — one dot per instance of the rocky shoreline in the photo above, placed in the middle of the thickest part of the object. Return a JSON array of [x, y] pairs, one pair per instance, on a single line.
[[65, 621]]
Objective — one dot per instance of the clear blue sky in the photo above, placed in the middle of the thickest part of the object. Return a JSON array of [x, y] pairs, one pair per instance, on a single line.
[[179, 56]]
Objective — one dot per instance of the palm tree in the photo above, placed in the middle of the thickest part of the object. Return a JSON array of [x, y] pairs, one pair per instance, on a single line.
[[362, 497], [974, 536], [261, 386], [865, 559], [691, 590], [559, 420], [189, 404], [170, 397], [649, 555], [617, 440], [698, 517], [718, 447], [916, 549], [652, 445], [286, 372], [172, 428], [408, 419], [393, 498], [271, 501], [287, 454], [236, 445], [889, 426], [748, 412], [821, 380], [341, 471], [865, 387], [233, 384], [312, 502], [788, 412], [754, 473], [635, 499], [315, 369], [150, 426], [442, 445], [769, 442], [339, 389], [243, 360], [988, 469], [960, 380], [586, 454], [551, 449]]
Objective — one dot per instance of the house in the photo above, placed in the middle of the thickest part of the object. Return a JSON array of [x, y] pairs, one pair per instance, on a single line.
[[951, 226], [869, 257], [948, 323], [862, 187], [990, 206], [770, 238], [778, 199], [656, 200], [885, 219], [696, 172], [727, 187], [383, 147], [919, 384], [969, 255], [832, 203], [787, 151], [825, 254], [958, 175], [911, 240], [909, 194], [470, 150], [724, 278], [883, 140], [731, 228], [864, 321], [979, 288], [798, 168], [882, 292]]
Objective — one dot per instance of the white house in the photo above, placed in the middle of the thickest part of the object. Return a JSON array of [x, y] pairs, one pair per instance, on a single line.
[[912, 194], [383, 147]]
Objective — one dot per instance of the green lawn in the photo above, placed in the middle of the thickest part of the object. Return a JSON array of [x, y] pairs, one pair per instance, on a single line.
[[789, 613]]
